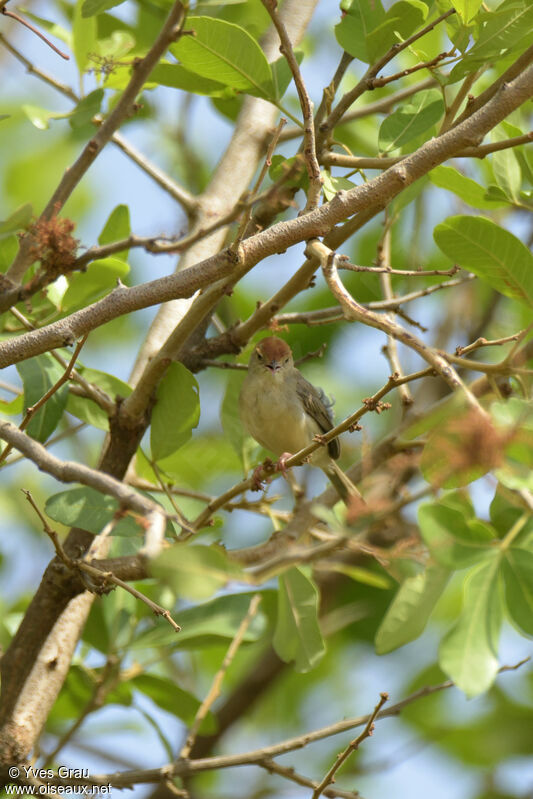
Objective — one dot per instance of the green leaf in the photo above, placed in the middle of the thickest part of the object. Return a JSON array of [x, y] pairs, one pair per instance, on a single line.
[[13, 407], [360, 575], [332, 185], [178, 77], [85, 507], [297, 636], [468, 652], [116, 228], [9, 246], [467, 9], [40, 117], [446, 177], [84, 37], [451, 539], [194, 572], [91, 7], [411, 608], [226, 53], [19, 220], [503, 30], [281, 73], [362, 18], [207, 624], [99, 279], [400, 21], [229, 412], [38, 376], [173, 699], [86, 109], [176, 412], [506, 169], [517, 569], [411, 120], [87, 410], [515, 418], [491, 252]]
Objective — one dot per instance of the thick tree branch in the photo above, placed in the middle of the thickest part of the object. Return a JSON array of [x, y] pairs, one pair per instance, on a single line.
[[376, 192]]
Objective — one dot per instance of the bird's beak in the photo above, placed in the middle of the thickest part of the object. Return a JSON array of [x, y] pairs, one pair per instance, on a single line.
[[274, 366]]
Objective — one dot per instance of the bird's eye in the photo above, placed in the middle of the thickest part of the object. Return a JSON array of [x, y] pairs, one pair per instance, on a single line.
[[286, 360], [259, 356]]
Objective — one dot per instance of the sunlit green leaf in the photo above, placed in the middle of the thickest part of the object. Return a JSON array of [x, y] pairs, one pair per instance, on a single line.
[[297, 636], [38, 376], [171, 698], [412, 119], [363, 17], [178, 77], [447, 177], [468, 653], [84, 36], [206, 624], [491, 252], [449, 537], [194, 572], [18, 220], [85, 507], [176, 412], [91, 7], [226, 53], [411, 608], [467, 9], [400, 21], [99, 279], [87, 409], [116, 228], [517, 568]]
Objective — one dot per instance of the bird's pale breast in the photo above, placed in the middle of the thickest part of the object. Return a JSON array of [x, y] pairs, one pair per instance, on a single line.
[[274, 415]]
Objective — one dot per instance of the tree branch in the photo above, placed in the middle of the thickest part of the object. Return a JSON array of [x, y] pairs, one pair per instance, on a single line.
[[72, 176]]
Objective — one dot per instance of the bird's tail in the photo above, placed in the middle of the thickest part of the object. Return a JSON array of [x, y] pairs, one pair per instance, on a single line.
[[341, 482]]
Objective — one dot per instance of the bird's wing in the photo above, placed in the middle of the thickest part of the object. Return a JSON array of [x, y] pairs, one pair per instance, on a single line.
[[318, 407]]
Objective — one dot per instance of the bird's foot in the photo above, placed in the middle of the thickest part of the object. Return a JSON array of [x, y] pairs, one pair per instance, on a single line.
[[281, 465], [259, 478]]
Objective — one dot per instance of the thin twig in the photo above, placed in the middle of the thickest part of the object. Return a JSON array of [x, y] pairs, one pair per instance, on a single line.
[[107, 576], [391, 349], [215, 689], [93, 392], [185, 524], [480, 151], [288, 773], [71, 472], [352, 746], [35, 30], [183, 768], [344, 263], [103, 576], [266, 164], [377, 83], [31, 411], [483, 342], [350, 423], [72, 176], [351, 96], [309, 146], [354, 311], [335, 313]]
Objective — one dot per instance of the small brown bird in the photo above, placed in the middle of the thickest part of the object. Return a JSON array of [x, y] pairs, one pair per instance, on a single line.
[[284, 412]]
